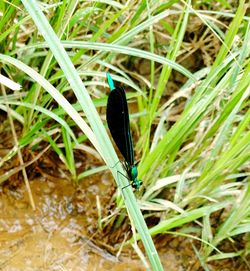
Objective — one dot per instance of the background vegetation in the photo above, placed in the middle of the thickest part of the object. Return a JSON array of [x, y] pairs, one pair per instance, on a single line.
[[186, 69]]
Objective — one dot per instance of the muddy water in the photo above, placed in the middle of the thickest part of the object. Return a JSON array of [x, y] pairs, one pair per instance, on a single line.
[[62, 233], [54, 236]]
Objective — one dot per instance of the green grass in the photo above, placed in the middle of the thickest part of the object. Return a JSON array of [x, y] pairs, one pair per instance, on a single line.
[[195, 158]]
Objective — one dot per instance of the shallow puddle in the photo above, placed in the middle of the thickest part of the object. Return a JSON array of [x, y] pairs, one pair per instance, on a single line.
[[54, 236], [61, 234]]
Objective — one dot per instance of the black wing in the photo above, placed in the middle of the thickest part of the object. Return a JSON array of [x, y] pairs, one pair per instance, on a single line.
[[118, 123]]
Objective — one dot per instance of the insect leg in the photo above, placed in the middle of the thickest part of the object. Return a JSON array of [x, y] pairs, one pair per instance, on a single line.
[[118, 172], [116, 164]]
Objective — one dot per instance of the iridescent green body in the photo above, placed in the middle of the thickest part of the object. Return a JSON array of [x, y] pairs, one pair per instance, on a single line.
[[133, 173]]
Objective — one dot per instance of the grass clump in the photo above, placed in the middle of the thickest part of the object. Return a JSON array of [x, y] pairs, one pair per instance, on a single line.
[[189, 66]]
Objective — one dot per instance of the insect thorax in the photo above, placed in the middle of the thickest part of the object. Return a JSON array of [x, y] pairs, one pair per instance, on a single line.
[[133, 172]]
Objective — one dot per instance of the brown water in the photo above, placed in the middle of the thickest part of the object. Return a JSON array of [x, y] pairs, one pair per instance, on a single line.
[[54, 236], [62, 233]]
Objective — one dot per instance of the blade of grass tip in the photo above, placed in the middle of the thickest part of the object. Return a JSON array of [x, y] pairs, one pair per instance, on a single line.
[[187, 217], [9, 83], [91, 172]]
